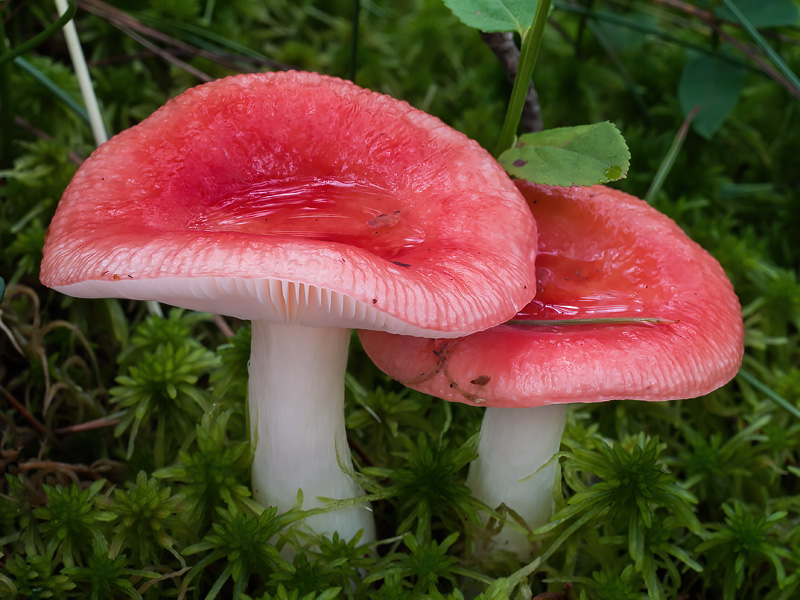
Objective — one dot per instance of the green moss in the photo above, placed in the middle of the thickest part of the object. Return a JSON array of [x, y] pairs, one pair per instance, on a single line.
[[124, 439]]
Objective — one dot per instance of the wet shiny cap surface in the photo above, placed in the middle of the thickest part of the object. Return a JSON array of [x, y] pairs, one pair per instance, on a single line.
[[292, 196], [602, 255]]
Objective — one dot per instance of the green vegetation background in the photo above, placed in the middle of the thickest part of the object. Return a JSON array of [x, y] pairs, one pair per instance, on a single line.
[[123, 440]]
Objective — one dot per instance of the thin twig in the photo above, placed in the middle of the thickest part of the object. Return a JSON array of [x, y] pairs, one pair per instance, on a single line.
[[167, 56], [503, 46], [172, 575], [10, 334], [86, 426], [692, 10], [121, 19], [70, 469], [73, 156], [24, 412], [689, 9], [223, 326], [143, 55], [751, 52], [130, 26]]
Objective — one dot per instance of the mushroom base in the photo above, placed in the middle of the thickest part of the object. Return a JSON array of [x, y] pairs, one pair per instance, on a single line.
[[513, 467], [296, 403]]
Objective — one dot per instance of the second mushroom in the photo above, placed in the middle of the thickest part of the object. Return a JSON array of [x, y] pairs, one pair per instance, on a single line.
[[627, 307]]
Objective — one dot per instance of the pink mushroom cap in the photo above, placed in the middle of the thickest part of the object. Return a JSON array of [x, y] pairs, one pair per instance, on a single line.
[[292, 196], [602, 254]]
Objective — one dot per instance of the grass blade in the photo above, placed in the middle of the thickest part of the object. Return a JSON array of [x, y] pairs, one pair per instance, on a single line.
[[669, 159], [777, 398], [762, 43], [53, 88]]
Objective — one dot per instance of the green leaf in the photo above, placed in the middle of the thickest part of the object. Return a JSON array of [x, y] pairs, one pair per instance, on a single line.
[[494, 15], [2, 288], [714, 85], [775, 13], [569, 156]]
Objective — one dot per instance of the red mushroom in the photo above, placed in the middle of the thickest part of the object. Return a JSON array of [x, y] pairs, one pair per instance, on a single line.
[[309, 206], [670, 327]]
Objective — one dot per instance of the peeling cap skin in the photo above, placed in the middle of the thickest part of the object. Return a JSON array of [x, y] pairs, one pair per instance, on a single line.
[[280, 196], [602, 254]]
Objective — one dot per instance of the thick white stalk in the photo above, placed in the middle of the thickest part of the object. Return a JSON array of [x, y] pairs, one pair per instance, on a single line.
[[296, 399], [514, 445]]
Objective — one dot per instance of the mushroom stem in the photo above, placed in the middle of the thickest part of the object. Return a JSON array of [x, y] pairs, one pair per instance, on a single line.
[[296, 399], [514, 449]]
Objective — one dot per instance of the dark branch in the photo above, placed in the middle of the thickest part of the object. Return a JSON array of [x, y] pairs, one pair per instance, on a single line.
[[502, 44]]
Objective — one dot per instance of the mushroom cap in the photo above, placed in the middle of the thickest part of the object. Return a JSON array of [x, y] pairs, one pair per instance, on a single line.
[[291, 196], [602, 254]]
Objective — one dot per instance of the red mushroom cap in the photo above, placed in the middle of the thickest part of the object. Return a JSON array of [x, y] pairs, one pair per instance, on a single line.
[[602, 254], [277, 196]]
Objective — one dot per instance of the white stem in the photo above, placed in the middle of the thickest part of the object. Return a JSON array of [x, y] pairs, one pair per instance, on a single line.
[[84, 80], [296, 399], [514, 445]]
